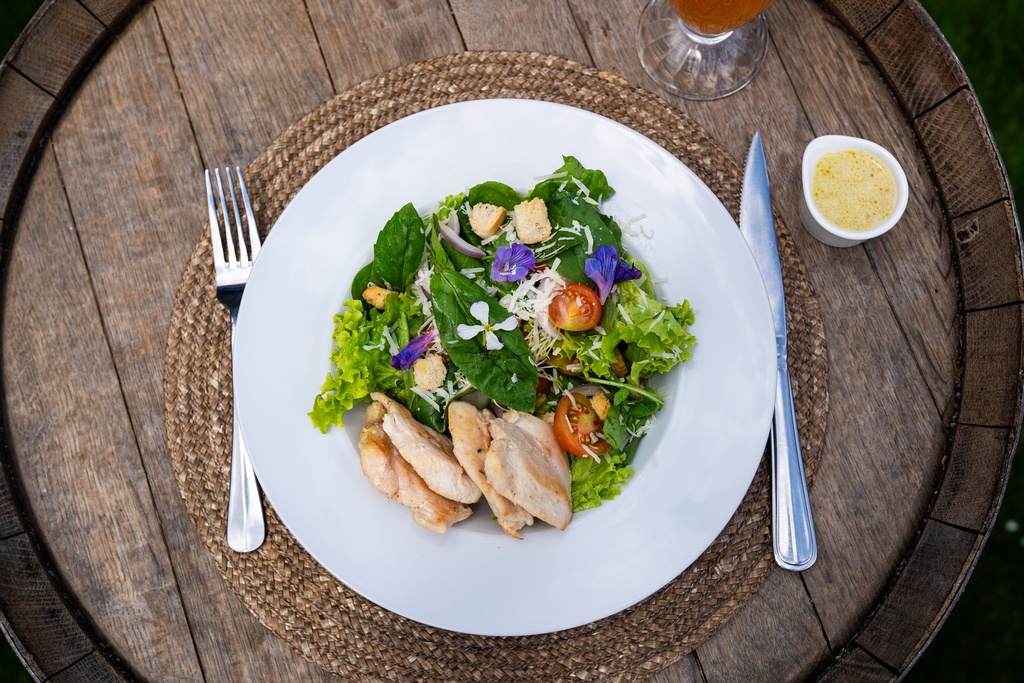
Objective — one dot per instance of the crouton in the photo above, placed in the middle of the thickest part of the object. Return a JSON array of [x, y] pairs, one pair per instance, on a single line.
[[619, 367], [600, 404], [485, 219], [532, 223], [375, 413], [429, 371], [376, 296]]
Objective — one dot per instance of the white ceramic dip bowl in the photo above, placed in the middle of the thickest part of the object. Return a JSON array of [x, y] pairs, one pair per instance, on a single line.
[[813, 219]]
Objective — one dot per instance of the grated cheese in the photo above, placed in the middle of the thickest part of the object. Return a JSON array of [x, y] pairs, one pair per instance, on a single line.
[[584, 190], [507, 228], [625, 316], [656, 320], [392, 342], [627, 226], [428, 397]]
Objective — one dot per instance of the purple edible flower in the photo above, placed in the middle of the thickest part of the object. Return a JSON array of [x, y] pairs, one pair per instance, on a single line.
[[601, 269], [512, 263], [625, 271], [605, 268], [404, 359]]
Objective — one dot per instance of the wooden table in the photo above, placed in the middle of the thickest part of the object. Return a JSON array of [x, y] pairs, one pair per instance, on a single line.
[[109, 111]]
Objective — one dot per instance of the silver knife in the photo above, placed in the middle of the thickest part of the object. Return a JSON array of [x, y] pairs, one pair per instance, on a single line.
[[792, 527]]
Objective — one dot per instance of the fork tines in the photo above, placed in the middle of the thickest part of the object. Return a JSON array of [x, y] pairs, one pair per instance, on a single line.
[[241, 257]]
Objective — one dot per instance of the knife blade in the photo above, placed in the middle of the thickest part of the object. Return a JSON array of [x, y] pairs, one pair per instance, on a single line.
[[793, 536]]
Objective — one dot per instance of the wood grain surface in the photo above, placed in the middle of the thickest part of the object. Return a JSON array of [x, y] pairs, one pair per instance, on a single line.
[[102, 145], [35, 611], [87, 486], [25, 109], [54, 46]]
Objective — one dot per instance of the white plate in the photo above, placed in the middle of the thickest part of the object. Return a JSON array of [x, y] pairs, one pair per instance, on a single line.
[[692, 470]]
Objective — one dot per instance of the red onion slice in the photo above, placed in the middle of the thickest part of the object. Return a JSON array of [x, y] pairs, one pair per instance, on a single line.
[[588, 390], [460, 244], [541, 314], [545, 324], [452, 222]]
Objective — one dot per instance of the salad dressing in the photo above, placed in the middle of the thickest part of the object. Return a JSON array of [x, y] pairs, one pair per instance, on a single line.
[[853, 189]]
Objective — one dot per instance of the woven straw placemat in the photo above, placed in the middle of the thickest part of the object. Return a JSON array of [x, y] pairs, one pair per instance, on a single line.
[[302, 603]]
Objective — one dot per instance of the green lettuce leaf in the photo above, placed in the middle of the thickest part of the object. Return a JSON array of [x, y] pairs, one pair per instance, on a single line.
[[656, 337], [362, 362], [451, 203], [352, 379], [593, 482]]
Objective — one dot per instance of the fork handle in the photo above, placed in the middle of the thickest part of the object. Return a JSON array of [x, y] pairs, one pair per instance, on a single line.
[[246, 530]]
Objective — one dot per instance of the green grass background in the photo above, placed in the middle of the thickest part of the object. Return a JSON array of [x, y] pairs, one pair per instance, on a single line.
[[983, 638]]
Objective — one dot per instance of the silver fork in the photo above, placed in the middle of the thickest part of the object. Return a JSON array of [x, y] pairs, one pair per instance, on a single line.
[[245, 512]]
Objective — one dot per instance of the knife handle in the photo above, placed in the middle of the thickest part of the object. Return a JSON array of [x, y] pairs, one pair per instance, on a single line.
[[792, 527]]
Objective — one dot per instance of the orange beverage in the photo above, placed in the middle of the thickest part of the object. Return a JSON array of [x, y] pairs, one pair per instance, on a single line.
[[712, 17]]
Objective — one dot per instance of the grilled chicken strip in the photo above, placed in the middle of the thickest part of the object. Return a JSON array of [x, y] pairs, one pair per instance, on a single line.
[[526, 465], [395, 478], [471, 438], [429, 453]]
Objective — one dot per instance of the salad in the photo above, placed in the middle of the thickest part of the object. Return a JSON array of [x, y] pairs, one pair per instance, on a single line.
[[504, 327]]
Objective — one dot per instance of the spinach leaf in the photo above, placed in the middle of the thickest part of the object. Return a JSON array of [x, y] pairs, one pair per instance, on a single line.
[[595, 181], [562, 238], [569, 242], [496, 193], [627, 416], [438, 256], [566, 208], [458, 260], [572, 260], [399, 248], [362, 280], [506, 375]]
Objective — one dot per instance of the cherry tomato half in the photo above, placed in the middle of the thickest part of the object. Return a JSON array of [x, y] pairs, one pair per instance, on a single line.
[[575, 308], [577, 426]]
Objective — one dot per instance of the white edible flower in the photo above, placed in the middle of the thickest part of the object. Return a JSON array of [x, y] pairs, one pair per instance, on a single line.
[[479, 310]]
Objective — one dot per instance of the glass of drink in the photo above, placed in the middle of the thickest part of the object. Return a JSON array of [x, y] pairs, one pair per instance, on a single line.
[[703, 49]]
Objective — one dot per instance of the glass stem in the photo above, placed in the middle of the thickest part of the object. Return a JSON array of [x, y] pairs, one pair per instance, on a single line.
[[702, 38]]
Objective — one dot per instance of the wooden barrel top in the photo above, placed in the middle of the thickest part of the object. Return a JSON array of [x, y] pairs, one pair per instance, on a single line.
[[109, 111]]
